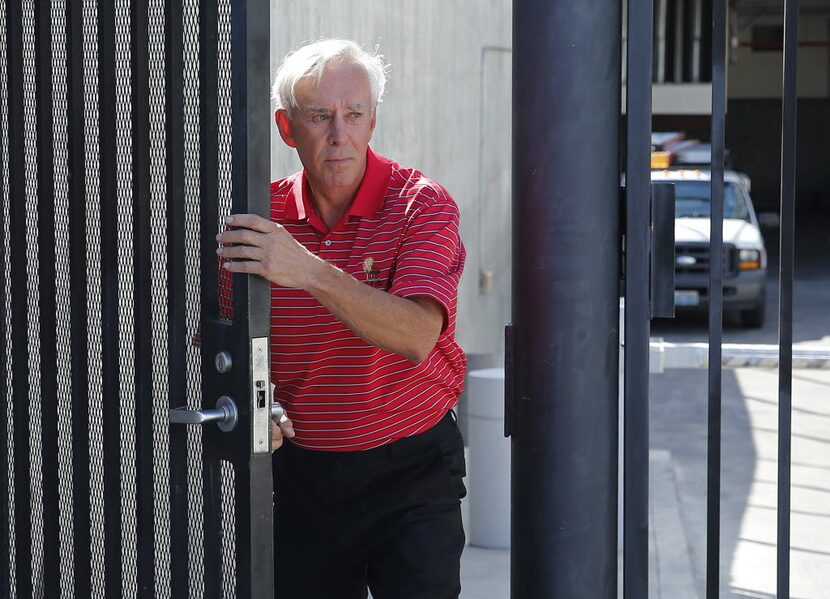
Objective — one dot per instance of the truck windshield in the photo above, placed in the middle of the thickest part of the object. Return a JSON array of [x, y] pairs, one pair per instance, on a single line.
[[693, 200]]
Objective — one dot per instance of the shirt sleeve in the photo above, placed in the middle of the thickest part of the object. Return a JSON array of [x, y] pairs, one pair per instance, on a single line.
[[431, 256]]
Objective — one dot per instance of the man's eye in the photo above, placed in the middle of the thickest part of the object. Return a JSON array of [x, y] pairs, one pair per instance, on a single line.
[[319, 118], [355, 115]]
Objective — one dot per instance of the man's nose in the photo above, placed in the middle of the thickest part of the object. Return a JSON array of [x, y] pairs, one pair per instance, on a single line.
[[337, 130]]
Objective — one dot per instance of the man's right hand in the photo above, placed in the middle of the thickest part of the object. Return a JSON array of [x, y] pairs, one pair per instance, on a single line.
[[279, 430]]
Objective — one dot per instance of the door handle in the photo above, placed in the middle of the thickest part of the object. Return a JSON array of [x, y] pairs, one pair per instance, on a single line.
[[225, 415], [277, 411]]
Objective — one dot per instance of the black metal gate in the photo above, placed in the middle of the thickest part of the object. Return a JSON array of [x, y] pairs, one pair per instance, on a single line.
[[639, 68], [561, 380], [129, 127]]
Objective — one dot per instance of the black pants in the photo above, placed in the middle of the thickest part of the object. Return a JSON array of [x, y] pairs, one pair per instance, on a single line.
[[387, 518]]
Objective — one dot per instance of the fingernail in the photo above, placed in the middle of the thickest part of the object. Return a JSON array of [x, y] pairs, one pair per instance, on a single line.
[[219, 237], [229, 219]]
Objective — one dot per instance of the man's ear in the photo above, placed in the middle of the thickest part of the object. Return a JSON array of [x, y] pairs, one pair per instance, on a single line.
[[285, 127]]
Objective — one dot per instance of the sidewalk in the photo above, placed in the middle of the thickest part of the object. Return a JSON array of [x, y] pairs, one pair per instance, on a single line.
[[485, 573], [677, 510]]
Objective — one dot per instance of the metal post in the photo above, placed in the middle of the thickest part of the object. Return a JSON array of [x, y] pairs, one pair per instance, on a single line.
[[716, 301], [785, 317], [5, 389], [251, 167], [563, 396], [637, 311]]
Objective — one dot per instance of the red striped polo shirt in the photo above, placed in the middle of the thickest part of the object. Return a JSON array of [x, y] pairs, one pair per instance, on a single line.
[[399, 235]]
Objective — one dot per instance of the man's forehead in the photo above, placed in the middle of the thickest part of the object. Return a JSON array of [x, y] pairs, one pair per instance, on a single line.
[[344, 84]]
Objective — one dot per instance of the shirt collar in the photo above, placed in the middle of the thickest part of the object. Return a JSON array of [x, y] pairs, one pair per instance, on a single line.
[[367, 201]]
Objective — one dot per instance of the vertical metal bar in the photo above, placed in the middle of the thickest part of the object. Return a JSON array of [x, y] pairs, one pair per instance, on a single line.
[[176, 302], [110, 355], [624, 43], [18, 280], [212, 514], [250, 109], [660, 55], [716, 300], [145, 512], [48, 301], [638, 219], [565, 300], [785, 317], [679, 39], [208, 156], [78, 299], [5, 533], [697, 34]]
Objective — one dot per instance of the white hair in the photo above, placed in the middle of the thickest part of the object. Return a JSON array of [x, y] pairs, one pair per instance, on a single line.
[[311, 59]]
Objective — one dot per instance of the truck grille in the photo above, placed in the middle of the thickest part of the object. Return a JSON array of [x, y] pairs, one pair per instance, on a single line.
[[694, 258]]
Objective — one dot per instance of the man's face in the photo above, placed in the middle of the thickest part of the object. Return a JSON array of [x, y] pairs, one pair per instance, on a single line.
[[332, 126]]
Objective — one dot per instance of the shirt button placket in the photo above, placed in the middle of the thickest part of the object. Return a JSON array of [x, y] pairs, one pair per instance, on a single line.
[[325, 246]]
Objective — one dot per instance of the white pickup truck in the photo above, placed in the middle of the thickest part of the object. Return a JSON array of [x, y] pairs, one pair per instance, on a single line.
[[745, 258]]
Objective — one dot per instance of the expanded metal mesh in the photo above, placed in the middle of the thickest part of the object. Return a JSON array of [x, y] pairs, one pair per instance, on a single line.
[[158, 227], [224, 127], [93, 276], [224, 201], [4, 114], [32, 296], [228, 495], [126, 279], [62, 294], [192, 173]]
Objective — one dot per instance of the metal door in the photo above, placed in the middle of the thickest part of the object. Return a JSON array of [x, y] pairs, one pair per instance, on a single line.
[[129, 128]]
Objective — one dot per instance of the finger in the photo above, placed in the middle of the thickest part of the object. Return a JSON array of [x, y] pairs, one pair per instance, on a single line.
[[287, 427], [240, 236], [250, 267], [276, 438], [245, 252], [250, 221]]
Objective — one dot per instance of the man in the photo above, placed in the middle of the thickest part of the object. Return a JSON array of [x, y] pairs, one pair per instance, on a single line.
[[364, 258]]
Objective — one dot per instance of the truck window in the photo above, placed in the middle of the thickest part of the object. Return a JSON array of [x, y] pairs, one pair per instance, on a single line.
[[693, 200]]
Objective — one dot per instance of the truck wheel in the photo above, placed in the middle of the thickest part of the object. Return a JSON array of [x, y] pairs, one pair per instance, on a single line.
[[754, 317]]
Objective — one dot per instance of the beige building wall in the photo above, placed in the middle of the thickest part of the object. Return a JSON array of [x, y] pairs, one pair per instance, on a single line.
[[447, 112], [759, 74]]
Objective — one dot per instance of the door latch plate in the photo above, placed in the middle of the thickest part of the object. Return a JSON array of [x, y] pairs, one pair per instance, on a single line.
[[260, 400]]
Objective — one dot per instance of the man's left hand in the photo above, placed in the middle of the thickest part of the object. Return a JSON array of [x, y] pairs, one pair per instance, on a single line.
[[261, 247]]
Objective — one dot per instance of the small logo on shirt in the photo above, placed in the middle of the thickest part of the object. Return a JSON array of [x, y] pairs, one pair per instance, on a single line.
[[372, 272]]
